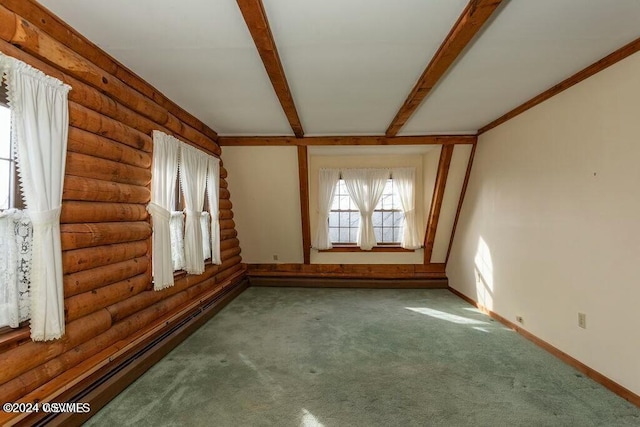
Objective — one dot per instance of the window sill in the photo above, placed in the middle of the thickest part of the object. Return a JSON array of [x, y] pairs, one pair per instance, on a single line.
[[10, 337], [180, 273], [353, 248]]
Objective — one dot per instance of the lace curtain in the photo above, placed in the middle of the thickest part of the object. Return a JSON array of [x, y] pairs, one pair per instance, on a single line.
[[176, 224], [365, 187], [16, 239], [163, 187], [40, 124], [205, 227], [404, 179], [193, 180], [327, 181], [213, 195]]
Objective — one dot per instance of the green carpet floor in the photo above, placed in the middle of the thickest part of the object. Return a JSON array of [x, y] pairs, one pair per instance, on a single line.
[[361, 357]]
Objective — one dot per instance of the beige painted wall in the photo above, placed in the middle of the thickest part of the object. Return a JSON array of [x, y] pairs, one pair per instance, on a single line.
[[264, 185], [455, 180], [550, 225], [364, 161]]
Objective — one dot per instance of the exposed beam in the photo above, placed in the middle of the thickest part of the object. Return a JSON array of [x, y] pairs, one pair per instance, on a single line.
[[469, 23], [461, 200], [346, 140], [596, 67], [256, 19], [436, 201], [303, 173]]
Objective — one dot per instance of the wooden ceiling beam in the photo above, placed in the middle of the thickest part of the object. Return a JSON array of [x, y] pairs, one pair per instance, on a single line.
[[346, 140], [468, 25], [256, 19]]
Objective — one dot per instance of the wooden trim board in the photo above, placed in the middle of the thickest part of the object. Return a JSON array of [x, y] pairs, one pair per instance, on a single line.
[[591, 373], [436, 202], [312, 282], [349, 271], [303, 174], [241, 141]]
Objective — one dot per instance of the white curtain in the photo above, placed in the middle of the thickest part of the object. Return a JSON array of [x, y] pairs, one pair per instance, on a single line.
[[213, 195], [193, 180], [40, 124], [327, 181], [205, 227], [365, 187], [404, 180], [16, 238], [166, 151], [176, 224]]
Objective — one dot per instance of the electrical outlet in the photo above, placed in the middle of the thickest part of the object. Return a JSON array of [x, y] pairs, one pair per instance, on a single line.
[[582, 320], [275, 257], [519, 319]]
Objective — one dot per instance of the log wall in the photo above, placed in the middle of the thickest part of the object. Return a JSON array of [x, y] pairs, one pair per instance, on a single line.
[[105, 227]]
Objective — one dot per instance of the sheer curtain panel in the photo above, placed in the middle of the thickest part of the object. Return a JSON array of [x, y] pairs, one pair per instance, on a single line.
[[404, 179], [176, 224], [213, 195], [40, 124], [365, 187], [205, 229], [193, 180], [327, 181], [166, 151]]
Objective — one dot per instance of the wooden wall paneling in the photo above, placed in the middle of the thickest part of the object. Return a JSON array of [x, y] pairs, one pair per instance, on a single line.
[[258, 24], [92, 257], [84, 142], [345, 140], [107, 170], [96, 190], [75, 236], [82, 211], [596, 67], [303, 174], [436, 201], [469, 23], [461, 200], [94, 278]]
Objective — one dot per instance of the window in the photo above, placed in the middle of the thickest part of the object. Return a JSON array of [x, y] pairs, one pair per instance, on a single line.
[[8, 185], [344, 218]]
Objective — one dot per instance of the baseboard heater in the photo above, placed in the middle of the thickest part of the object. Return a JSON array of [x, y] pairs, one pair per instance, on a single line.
[[105, 384]]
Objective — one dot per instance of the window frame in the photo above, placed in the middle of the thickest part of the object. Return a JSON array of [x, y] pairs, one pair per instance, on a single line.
[[16, 200]]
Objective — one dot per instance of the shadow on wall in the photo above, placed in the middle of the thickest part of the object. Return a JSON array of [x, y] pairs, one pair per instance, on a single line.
[[483, 268]]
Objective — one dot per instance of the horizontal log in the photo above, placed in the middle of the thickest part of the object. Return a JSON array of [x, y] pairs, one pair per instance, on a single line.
[[81, 141], [225, 274], [18, 360], [88, 302], [229, 243], [74, 236], [96, 190], [224, 193], [228, 234], [89, 258], [107, 170], [225, 204], [223, 184], [230, 253], [223, 173], [226, 214], [226, 224], [77, 212], [94, 278], [84, 118]]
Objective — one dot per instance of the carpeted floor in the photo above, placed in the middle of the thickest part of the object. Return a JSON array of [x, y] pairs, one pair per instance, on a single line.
[[361, 357]]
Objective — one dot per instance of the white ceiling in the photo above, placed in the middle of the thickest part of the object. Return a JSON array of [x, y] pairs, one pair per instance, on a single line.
[[350, 63]]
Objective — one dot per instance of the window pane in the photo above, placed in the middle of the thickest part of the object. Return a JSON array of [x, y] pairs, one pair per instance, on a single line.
[[397, 236], [387, 219], [5, 133], [5, 186], [397, 219], [353, 235], [344, 219], [377, 219], [378, 232], [354, 219], [334, 234], [344, 203], [335, 203], [333, 219], [344, 235], [387, 235]]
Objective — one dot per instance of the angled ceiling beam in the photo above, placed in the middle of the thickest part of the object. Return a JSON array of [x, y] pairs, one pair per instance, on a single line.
[[345, 140], [469, 23], [256, 19]]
